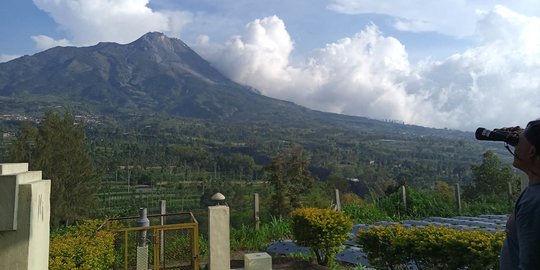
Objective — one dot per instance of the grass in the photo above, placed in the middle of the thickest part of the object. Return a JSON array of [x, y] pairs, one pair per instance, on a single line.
[[248, 238]]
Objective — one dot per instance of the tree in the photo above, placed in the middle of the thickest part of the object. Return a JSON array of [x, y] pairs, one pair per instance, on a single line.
[[491, 177], [57, 147], [298, 176], [289, 176], [443, 191], [279, 200]]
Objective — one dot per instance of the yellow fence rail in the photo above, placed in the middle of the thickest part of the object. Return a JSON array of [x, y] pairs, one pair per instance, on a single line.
[[173, 245]]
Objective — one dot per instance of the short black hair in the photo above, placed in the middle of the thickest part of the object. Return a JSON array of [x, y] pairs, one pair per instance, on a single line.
[[532, 134]]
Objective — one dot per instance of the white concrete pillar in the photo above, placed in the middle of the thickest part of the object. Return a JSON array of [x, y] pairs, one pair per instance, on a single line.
[[219, 237], [24, 218], [337, 199]]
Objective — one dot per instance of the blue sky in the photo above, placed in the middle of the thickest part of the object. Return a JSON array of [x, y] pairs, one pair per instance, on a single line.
[[457, 64]]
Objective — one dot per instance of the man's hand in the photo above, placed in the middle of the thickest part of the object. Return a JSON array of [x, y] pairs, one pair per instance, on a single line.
[[516, 129]]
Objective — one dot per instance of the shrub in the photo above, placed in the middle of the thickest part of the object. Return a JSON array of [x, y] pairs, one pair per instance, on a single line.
[[431, 247], [351, 198], [322, 230], [82, 247]]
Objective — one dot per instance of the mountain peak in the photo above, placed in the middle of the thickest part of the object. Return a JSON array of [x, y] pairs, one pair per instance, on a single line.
[[161, 48], [160, 43], [152, 37]]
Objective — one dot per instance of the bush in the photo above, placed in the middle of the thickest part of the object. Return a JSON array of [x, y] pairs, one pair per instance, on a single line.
[[431, 247], [322, 230], [82, 247], [351, 198]]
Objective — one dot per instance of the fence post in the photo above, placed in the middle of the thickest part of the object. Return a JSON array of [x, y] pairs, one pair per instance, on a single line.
[[256, 210], [458, 198], [404, 196], [337, 200], [162, 212]]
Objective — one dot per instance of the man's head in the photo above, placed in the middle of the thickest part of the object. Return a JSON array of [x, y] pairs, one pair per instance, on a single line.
[[527, 152]]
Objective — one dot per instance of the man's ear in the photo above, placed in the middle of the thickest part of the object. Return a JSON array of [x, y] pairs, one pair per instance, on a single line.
[[532, 151]]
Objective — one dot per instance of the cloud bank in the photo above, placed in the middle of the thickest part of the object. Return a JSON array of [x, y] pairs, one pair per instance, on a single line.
[[369, 74], [88, 22]]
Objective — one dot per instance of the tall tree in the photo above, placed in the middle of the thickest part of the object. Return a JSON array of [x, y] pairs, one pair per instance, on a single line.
[[58, 148], [491, 177], [290, 178], [279, 200], [298, 176]]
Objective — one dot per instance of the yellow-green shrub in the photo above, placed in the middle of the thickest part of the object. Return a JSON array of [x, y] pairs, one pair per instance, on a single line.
[[433, 247], [82, 247], [322, 230]]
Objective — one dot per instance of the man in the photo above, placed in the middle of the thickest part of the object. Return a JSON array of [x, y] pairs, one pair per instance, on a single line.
[[521, 249]]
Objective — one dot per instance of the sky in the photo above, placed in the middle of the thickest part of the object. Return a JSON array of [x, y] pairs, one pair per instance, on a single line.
[[448, 64]]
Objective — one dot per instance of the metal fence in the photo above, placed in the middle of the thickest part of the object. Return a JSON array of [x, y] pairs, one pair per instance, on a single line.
[[170, 241]]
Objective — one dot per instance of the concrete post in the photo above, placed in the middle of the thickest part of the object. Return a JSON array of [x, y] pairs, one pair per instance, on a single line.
[[162, 212], [404, 196], [458, 198], [24, 218], [219, 238], [256, 211], [338, 201]]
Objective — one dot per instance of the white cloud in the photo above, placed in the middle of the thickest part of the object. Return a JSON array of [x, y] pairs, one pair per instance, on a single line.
[[360, 75], [90, 21], [369, 74], [261, 53], [493, 84], [45, 42], [7, 57], [450, 17]]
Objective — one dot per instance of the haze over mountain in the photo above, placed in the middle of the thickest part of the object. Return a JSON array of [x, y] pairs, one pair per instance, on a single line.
[[154, 75]]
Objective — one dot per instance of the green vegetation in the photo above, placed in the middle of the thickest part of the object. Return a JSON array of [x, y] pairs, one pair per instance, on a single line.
[[185, 160], [249, 239], [290, 178], [58, 148], [82, 247], [322, 230], [491, 178], [295, 168], [431, 247]]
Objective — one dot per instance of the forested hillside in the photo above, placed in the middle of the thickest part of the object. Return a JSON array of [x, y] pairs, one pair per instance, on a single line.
[[156, 114]]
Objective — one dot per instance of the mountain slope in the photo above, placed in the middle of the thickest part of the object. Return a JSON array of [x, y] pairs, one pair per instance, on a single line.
[[154, 75]]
